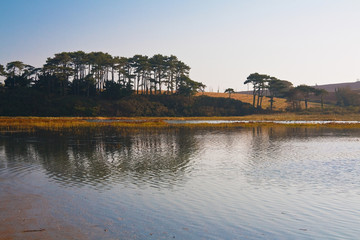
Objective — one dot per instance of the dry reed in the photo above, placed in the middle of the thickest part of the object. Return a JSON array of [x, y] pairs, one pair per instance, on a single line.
[[73, 124]]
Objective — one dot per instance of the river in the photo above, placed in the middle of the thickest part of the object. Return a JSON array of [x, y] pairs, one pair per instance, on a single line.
[[181, 183]]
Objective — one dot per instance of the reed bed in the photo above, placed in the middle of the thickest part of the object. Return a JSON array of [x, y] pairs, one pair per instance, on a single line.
[[268, 124], [30, 124], [281, 117], [78, 124]]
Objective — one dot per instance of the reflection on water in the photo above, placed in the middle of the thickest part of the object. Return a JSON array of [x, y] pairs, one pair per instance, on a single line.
[[244, 121], [251, 183], [160, 157]]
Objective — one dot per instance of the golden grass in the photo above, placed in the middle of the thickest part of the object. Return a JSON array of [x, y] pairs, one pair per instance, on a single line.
[[68, 123], [78, 124], [298, 117], [279, 104]]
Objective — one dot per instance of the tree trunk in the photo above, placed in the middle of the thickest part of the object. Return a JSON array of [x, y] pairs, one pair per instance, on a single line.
[[258, 99], [160, 82], [254, 95], [137, 84]]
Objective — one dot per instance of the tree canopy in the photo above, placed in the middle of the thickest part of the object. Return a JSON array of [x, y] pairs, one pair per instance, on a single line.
[[229, 91], [259, 82], [81, 73], [271, 87]]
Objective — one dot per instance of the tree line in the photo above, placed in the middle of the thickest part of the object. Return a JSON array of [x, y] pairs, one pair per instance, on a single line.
[[95, 74], [271, 87], [89, 74], [98, 84]]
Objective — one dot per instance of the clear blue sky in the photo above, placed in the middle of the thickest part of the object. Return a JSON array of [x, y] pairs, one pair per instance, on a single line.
[[302, 41]]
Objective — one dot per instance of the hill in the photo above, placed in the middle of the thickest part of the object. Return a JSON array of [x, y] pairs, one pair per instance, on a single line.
[[279, 104], [29, 102], [330, 98], [328, 87], [333, 87]]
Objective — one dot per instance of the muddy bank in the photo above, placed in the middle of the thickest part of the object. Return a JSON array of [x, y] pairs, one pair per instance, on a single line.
[[26, 214]]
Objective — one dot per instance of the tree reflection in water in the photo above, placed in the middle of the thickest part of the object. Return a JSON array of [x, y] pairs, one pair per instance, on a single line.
[[97, 158]]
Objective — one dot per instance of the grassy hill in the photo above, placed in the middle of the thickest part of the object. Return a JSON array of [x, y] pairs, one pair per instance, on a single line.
[[332, 87], [279, 104]]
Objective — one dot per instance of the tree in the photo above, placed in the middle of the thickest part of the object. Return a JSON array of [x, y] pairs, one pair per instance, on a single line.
[[119, 66], [158, 67], [2, 73], [61, 67], [15, 68], [77, 71], [141, 69], [170, 66], [293, 97], [321, 93], [79, 60], [18, 74], [181, 69], [13, 72], [305, 92], [101, 64], [114, 90], [259, 82], [229, 91], [347, 97], [189, 87], [2, 70], [277, 88]]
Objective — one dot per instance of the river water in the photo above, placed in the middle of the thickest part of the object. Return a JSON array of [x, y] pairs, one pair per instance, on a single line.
[[245, 183]]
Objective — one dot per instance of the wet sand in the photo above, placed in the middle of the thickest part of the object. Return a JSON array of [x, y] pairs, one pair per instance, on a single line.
[[25, 215]]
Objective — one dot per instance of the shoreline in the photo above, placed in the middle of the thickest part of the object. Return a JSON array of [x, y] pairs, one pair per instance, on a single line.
[[29, 214], [32, 124]]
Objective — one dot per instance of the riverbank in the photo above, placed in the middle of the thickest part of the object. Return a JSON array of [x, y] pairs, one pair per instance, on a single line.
[[26, 214], [10, 124]]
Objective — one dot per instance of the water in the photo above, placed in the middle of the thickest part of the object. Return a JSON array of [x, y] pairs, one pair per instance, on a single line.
[[251, 183], [246, 121], [229, 121]]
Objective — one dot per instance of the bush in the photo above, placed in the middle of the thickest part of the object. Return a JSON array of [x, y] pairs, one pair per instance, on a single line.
[[18, 103]]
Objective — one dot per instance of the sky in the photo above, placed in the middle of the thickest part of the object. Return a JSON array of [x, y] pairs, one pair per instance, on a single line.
[[223, 41]]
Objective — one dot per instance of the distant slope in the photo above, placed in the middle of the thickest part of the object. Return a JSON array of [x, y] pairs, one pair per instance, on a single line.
[[333, 87], [329, 87]]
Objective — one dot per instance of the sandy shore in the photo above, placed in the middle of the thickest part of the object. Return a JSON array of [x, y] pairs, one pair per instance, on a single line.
[[26, 215]]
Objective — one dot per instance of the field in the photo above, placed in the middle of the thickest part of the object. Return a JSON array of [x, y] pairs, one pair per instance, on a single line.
[[279, 104]]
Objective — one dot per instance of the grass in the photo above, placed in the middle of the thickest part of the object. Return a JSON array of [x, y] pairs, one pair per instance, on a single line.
[[73, 124], [30, 124], [279, 103]]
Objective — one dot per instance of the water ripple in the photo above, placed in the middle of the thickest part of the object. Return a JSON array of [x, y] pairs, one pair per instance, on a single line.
[[259, 183]]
